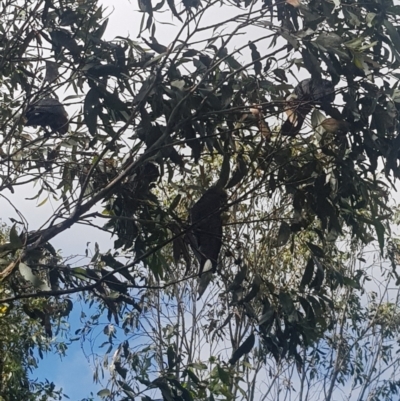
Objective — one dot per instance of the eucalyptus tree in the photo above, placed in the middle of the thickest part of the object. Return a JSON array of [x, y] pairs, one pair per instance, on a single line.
[[153, 126]]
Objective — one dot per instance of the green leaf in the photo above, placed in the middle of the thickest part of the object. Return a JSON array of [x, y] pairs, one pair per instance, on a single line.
[[233, 63], [225, 170], [171, 356], [95, 256], [100, 31], [239, 173], [171, 5], [308, 273], [145, 90], [104, 393], [267, 314], [121, 370], [192, 376], [316, 250], [198, 366], [175, 202], [352, 18], [91, 110], [290, 38], [156, 265], [243, 349], [305, 304], [154, 60], [380, 232], [224, 376], [394, 35], [84, 274], [284, 234], [27, 274], [319, 275], [329, 40], [354, 44], [370, 19], [187, 395], [351, 283], [280, 73], [316, 119], [286, 302], [15, 240]]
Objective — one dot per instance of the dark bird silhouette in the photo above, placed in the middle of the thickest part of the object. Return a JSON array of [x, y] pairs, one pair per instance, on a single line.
[[205, 216], [48, 112], [306, 94], [315, 90]]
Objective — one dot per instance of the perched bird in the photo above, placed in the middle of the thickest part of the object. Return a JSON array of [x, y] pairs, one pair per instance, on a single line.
[[205, 217], [315, 90], [306, 94], [48, 112]]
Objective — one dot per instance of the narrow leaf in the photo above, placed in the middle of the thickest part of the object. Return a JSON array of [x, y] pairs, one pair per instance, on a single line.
[[15, 240], [28, 275], [284, 234], [308, 273]]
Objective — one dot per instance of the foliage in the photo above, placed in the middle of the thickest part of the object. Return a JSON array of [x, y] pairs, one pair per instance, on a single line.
[[21, 341], [358, 354], [155, 125]]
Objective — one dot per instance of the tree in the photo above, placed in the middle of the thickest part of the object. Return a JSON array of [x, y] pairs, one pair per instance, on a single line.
[[179, 340], [154, 130], [22, 338]]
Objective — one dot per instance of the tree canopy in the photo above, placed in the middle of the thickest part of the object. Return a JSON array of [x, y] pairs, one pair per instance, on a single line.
[[229, 167]]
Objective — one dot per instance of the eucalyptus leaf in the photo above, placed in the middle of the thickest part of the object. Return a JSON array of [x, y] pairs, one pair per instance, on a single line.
[[28, 275]]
